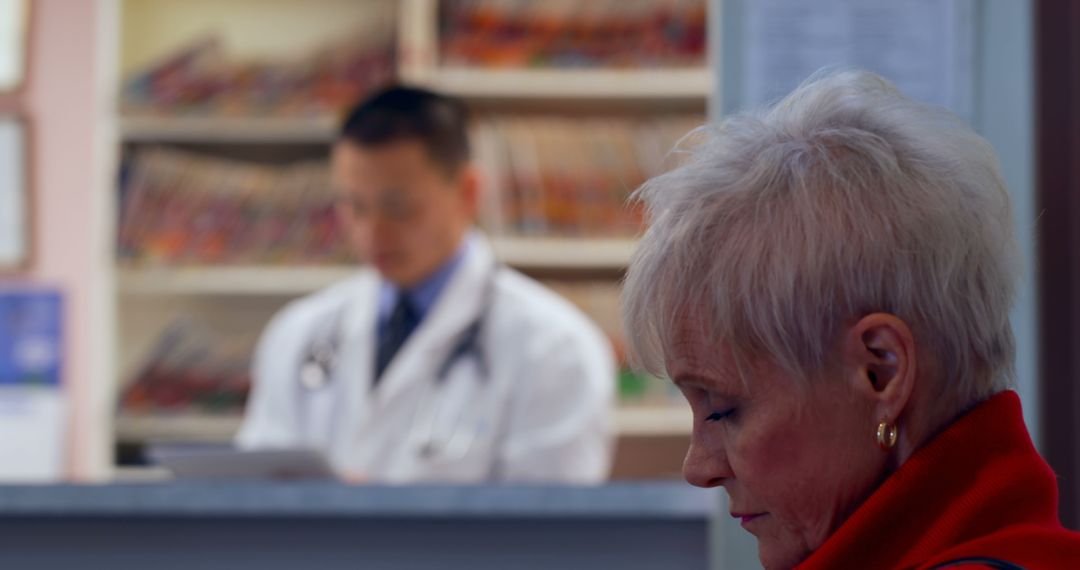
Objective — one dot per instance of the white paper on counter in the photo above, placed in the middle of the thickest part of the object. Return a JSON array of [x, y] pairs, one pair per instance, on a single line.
[[33, 424], [216, 463]]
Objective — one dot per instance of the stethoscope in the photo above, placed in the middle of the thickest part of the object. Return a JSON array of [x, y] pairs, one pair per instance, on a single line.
[[322, 356]]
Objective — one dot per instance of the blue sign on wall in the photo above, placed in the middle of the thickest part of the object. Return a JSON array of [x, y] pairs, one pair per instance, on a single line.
[[31, 347]]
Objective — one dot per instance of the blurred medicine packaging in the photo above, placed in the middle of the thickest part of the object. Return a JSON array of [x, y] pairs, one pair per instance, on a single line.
[[32, 402]]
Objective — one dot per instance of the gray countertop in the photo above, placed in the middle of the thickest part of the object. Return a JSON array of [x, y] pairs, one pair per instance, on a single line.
[[667, 500]]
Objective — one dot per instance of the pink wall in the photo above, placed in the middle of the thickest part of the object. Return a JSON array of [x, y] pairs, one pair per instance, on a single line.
[[60, 101]]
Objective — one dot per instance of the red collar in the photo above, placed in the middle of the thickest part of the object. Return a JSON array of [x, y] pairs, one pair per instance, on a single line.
[[979, 477]]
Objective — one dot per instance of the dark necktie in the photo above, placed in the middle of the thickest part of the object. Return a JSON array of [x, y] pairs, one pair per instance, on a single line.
[[403, 321]]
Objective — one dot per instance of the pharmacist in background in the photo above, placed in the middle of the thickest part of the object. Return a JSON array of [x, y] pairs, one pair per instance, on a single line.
[[435, 363]]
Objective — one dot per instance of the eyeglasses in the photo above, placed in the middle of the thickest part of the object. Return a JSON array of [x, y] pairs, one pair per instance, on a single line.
[[390, 205]]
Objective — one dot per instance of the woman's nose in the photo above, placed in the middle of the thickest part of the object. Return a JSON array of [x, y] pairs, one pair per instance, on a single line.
[[705, 466]]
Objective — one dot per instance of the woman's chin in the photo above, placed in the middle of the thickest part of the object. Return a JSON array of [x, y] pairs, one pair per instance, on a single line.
[[776, 555]]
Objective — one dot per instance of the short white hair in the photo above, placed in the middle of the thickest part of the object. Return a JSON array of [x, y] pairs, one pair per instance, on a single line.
[[843, 199]]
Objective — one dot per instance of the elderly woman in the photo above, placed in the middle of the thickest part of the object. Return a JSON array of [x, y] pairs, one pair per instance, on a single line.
[[828, 282]]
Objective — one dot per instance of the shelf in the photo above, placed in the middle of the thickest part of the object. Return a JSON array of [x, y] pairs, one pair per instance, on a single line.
[[525, 253], [181, 428], [688, 83], [629, 422], [202, 129], [565, 253], [236, 280], [643, 421]]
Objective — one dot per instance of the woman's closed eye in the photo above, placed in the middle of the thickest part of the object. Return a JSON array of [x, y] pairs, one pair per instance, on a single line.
[[717, 416]]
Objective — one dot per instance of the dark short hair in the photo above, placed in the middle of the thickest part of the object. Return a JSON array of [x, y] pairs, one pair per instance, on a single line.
[[439, 122]]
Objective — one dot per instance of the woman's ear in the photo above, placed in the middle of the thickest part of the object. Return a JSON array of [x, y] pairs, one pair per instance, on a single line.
[[880, 355]]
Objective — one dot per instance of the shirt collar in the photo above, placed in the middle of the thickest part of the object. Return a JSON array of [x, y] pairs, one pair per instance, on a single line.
[[424, 295]]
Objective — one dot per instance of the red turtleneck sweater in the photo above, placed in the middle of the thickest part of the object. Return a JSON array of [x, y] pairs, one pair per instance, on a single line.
[[979, 489]]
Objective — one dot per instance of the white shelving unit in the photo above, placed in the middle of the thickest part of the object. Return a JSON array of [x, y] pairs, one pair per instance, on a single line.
[[234, 280], [598, 254], [148, 297], [526, 253], [587, 253], [299, 130], [180, 428], [646, 421], [674, 84]]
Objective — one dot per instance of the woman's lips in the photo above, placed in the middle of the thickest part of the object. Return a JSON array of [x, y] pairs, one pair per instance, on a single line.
[[745, 518]]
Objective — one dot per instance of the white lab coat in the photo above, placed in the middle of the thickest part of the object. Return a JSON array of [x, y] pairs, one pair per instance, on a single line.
[[542, 414]]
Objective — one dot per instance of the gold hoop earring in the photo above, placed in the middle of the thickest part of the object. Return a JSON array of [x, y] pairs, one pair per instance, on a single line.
[[886, 435]]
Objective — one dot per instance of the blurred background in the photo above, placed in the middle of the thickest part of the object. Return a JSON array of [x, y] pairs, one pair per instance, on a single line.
[[224, 211], [165, 186]]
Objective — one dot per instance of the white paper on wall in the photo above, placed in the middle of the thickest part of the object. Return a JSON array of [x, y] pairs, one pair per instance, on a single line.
[[926, 47], [13, 189], [13, 24]]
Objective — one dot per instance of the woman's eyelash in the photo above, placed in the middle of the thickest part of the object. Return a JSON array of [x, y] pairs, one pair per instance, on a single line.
[[717, 416]]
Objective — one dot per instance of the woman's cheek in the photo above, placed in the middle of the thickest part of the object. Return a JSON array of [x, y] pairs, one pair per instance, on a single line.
[[765, 455]]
